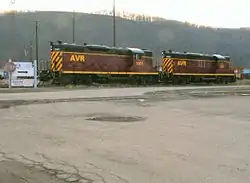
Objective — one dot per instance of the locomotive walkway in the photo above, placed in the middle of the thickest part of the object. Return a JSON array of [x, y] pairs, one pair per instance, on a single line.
[[33, 94]]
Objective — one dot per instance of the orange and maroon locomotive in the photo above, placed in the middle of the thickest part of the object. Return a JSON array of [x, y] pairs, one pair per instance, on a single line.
[[71, 63], [101, 63], [184, 67]]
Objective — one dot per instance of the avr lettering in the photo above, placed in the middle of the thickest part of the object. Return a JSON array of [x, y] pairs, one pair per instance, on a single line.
[[77, 58]]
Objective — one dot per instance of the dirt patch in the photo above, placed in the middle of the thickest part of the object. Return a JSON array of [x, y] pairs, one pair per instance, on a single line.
[[114, 118]]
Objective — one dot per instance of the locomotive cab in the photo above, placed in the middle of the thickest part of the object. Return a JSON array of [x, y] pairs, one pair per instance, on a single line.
[[220, 62], [137, 56]]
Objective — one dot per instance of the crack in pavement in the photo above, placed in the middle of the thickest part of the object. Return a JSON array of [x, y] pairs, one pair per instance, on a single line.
[[59, 169]]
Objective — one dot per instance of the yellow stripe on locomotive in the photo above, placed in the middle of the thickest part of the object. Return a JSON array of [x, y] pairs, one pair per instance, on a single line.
[[56, 58], [168, 65]]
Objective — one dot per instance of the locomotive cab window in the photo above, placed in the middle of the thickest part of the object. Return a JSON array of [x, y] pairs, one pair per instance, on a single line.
[[56, 49], [137, 56]]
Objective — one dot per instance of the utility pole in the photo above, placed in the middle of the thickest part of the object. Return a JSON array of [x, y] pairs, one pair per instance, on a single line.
[[114, 25], [37, 56], [12, 30], [73, 27]]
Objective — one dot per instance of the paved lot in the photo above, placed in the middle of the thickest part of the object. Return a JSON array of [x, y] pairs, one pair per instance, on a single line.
[[180, 137], [34, 94]]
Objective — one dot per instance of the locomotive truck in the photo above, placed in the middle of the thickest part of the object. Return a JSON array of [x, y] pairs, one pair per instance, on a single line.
[[71, 63]]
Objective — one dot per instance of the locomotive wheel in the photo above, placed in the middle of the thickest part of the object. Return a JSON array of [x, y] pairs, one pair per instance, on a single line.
[[208, 82], [65, 80], [188, 80], [175, 81], [219, 81]]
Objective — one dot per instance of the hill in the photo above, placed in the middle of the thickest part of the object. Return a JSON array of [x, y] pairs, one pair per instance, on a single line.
[[18, 33]]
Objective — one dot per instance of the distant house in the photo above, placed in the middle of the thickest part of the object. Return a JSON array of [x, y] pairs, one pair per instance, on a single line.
[[246, 73], [1, 72]]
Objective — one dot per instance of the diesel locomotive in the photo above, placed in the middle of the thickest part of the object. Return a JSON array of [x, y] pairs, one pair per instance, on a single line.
[[88, 63]]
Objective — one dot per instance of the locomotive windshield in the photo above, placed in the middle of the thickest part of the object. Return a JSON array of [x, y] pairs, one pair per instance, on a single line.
[[148, 53]]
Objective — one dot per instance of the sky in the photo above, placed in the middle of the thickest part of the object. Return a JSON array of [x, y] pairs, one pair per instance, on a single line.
[[215, 13]]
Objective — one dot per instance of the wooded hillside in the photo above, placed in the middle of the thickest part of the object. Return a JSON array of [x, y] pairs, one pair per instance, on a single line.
[[16, 34]]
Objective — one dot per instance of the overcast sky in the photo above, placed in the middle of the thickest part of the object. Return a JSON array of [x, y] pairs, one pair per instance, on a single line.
[[216, 13]]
